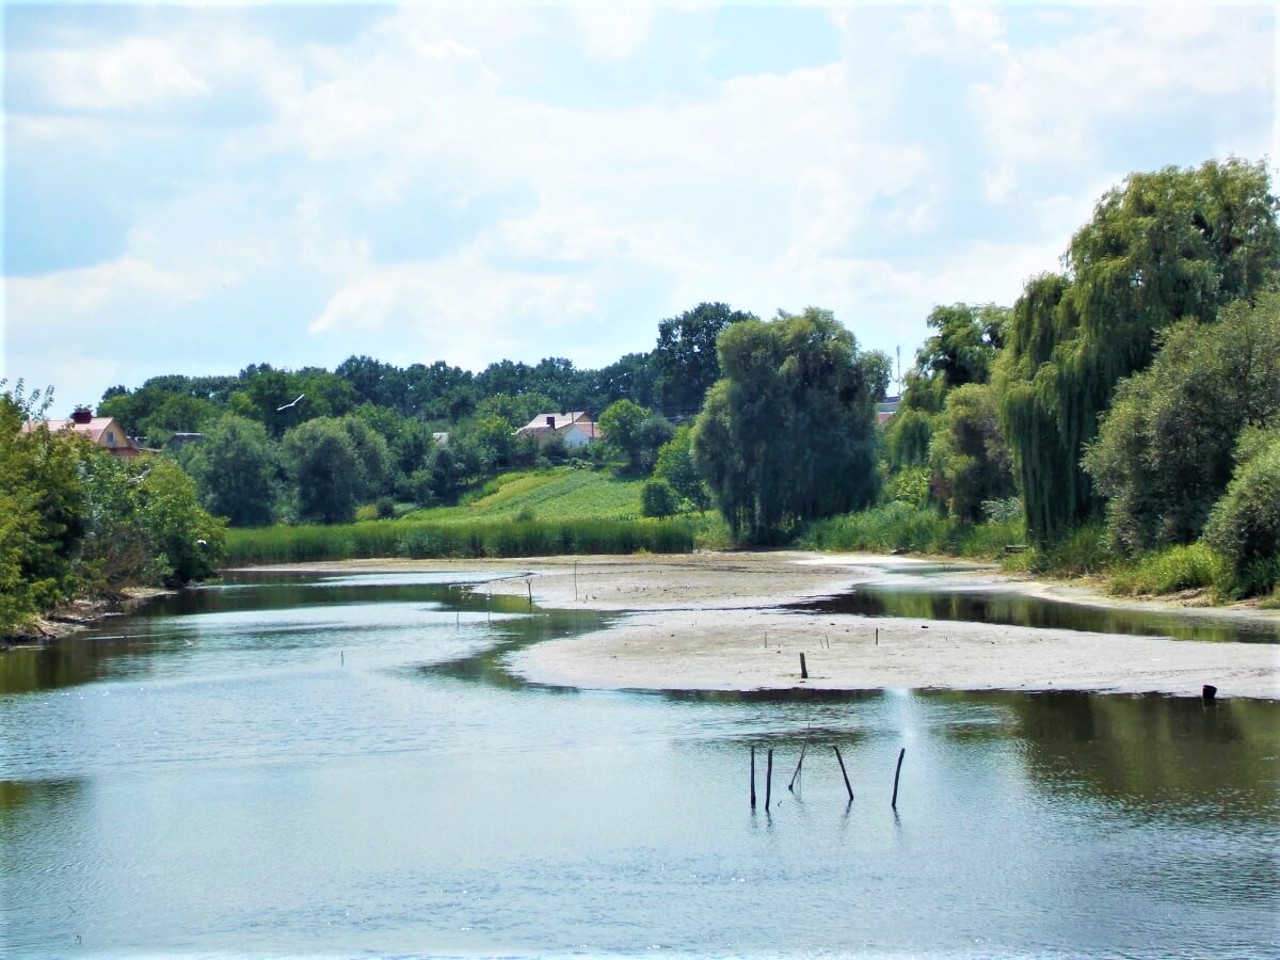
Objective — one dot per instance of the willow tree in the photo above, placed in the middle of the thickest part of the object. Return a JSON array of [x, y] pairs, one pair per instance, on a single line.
[[788, 434], [1164, 451], [1163, 246]]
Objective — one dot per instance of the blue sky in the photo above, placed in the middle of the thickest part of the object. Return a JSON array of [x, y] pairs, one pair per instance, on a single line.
[[194, 189]]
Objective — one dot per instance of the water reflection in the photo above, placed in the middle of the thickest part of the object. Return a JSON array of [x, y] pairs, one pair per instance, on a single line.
[[925, 601], [342, 768]]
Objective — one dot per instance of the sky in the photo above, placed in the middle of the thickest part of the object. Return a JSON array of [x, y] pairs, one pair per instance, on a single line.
[[195, 189]]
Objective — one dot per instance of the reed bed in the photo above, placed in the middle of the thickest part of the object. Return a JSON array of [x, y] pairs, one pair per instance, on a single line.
[[900, 526], [418, 540]]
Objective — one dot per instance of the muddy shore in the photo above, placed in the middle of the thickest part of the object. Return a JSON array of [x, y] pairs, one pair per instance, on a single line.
[[717, 621]]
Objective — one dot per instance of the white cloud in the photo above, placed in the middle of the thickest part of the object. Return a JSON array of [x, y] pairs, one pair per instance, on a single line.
[[613, 32], [431, 201], [456, 307], [138, 71], [1050, 99], [53, 302]]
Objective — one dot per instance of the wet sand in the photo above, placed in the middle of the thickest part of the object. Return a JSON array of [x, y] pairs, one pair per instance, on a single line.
[[714, 622]]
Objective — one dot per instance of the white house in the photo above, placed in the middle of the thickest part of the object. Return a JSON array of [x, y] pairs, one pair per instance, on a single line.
[[577, 429]]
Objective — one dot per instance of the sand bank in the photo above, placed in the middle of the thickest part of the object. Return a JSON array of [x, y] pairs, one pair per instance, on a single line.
[[714, 622]]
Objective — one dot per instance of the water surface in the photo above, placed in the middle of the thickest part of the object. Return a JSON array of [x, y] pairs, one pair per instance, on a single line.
[[341, 767]]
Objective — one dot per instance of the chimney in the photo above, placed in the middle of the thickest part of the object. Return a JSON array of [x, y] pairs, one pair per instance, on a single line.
[[551, 422], [81, 415]]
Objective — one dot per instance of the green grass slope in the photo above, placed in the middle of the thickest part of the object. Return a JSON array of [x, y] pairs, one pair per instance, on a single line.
[[558, 493]]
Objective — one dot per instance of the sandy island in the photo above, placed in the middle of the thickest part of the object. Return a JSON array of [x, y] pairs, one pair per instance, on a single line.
[[716, 621]]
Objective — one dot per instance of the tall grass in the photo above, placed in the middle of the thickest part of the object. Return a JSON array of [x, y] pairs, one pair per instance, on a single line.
[[497, 538], [903, 527], [1170, 570]]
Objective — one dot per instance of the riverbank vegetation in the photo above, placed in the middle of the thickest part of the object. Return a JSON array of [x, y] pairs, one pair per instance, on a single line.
[[77, 522], [1122, 417]]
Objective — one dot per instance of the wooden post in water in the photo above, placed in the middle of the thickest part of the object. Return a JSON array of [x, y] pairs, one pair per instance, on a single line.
[[897, 773], [804, 671], [753, 776], [877, 636], [843, 772], [1209, 693], [529, 584], [768, 780], [575, 581], [803, 747]]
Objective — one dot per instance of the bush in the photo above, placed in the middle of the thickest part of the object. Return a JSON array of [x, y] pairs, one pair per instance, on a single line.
[[658, 499], [1244, 526]]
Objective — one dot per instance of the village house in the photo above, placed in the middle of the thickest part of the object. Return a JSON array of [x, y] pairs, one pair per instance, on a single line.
[[104, 432], [576, 429]]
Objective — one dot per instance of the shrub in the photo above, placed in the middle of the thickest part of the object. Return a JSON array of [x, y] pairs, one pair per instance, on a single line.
[[1244, 526], [658, 499]]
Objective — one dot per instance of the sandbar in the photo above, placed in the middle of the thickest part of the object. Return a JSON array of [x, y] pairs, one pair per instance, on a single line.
[[719, 621]]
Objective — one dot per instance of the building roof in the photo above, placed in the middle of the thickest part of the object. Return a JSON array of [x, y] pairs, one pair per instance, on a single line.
[[542, 422], [94, 428]]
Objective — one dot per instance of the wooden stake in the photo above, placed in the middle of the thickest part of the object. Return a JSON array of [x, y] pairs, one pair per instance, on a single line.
[[575, 581], [529, 584], [804, 671], [753, 777], [768, 781], [843, 772], [897, 773], [877, 636], [803, 747]]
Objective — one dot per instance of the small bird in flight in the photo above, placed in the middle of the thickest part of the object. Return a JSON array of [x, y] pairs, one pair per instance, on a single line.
[[290, 406]]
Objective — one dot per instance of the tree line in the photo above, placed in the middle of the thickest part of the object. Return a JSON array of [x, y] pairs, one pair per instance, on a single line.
[[1130, 397]]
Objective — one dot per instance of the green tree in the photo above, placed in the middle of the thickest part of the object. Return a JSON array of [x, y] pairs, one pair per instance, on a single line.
[[1163, 246], [190, 540], [1244, 526], [969, 458], [675, 465], [788, 434], [326, 470], [237, 470], [623, 426], [1163, 454], [658, 498], [685, 357]]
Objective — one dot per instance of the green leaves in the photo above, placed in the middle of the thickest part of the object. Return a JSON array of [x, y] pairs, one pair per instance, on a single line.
[[1163, 246], [788, 434]]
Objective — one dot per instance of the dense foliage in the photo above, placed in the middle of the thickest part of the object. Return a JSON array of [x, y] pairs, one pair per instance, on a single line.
[[788, 434], [1163, 455], [1164, 246], [75, 520]]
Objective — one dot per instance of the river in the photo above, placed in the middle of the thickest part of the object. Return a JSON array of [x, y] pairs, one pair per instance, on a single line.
[[340, 767]]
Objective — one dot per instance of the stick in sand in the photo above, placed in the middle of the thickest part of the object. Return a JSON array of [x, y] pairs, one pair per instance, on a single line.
[[804, 671]]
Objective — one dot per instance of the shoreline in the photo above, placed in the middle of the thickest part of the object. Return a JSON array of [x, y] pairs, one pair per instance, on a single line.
[[717, 622], [79, 614]]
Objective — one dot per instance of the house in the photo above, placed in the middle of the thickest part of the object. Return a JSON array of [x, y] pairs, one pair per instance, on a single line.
[[885, 410], [577, 429], [104, 432]]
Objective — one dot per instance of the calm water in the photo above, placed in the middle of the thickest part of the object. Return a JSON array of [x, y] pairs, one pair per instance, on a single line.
[[910, 593], [341, 768]]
